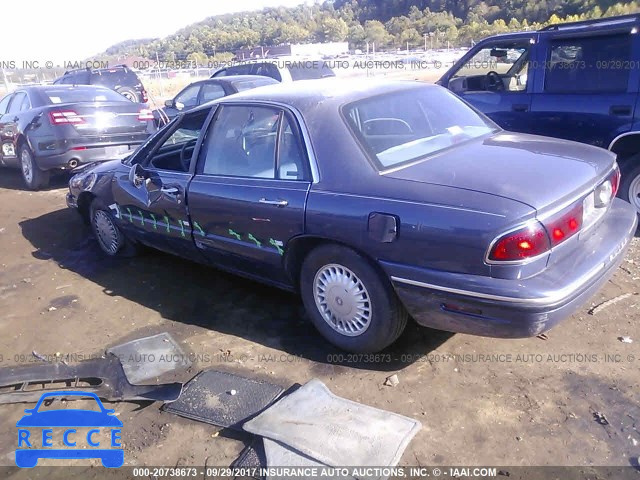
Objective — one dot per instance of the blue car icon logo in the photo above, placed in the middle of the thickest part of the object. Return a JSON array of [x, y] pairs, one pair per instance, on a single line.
[[36, 431]]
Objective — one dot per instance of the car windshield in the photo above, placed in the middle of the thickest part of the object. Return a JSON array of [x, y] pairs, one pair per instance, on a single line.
[[81, 94], [405, 126]]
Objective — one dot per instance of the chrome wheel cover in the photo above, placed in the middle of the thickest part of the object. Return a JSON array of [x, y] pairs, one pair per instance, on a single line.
[[109, 236], [342, 300], [634, 193], [27, 165]]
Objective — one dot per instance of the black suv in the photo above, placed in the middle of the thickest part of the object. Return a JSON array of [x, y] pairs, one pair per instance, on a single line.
[[120, 78], [578, 81]]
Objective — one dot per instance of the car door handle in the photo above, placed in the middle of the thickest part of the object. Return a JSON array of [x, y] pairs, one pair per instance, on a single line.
[[621, 110], [520, 107], [170, 190], [277, 203]]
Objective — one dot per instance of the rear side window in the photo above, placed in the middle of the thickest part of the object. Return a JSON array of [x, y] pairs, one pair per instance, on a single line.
[[17, 103], [77, 78], [4, 103], [210, 92], [590, 64], [243, 85]]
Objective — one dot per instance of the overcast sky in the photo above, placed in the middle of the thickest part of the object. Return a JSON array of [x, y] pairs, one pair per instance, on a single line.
[[71, 30]]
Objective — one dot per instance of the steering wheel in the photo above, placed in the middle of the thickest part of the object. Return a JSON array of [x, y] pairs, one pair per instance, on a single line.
[[186, 162], [494, 82]]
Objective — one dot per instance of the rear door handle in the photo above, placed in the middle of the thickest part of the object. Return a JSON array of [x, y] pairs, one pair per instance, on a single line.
[[277, 203], [620, 110], [520, 107]]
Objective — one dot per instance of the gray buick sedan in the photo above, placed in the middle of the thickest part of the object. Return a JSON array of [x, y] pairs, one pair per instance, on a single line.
[[375, 200]]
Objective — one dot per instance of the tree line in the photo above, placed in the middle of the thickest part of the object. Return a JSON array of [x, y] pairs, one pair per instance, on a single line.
[[387, 24]]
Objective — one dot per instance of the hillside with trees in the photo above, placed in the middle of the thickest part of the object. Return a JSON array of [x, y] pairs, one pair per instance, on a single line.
[[389, 24]]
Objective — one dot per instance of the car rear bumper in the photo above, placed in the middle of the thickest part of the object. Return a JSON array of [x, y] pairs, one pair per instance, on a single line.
[[506, 308], [72, 158]]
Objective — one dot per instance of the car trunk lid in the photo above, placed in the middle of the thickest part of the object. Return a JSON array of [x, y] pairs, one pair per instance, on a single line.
[[99, 119], [538, 171]]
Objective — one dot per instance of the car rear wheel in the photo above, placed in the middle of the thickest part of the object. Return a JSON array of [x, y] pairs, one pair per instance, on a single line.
[[109, 236], [34, 178], [349, 302], [630, 186]]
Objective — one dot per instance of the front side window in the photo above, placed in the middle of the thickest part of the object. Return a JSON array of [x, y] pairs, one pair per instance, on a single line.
[[401, 127], [175, 152], [589, 64], [496, 67]]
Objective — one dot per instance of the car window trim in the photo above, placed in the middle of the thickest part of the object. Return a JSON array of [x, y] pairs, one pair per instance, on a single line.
[[310, 174], [201, 101]]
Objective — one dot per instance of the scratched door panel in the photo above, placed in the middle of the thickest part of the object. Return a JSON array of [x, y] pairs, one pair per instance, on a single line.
[[245, 223]]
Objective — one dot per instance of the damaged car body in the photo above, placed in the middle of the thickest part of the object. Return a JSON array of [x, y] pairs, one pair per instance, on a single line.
[[375, 200]]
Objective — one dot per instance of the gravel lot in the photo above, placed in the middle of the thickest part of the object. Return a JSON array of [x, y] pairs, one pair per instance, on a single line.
[[481, 401]]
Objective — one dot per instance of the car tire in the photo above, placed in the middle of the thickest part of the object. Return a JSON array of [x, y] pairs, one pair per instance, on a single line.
[[130, 94], [630, 183], [111, 240], [363, 313], [34, 177]]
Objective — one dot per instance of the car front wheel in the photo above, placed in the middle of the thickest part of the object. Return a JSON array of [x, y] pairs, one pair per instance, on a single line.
[[34, 178], [349, 302], [109, 236]]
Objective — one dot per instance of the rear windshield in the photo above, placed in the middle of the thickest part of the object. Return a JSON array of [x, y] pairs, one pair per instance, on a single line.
[[57, 95], [242, 85], [310, 71], [401, 127]]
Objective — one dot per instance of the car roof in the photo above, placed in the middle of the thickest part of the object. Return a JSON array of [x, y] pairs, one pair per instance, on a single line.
[[60, 86], [236, 78], [305, 94]]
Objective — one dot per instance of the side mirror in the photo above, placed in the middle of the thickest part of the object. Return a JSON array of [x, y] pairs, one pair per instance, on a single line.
[[169, 103], [137, 175]]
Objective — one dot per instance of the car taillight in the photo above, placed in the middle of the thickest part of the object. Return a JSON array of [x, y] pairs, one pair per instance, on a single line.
[[565, 227], [145, 114], [145, 97], [615, 181], [65, 117], [527, 242]]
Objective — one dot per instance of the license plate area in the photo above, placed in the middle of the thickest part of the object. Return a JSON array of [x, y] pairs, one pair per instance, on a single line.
[[590, 213]]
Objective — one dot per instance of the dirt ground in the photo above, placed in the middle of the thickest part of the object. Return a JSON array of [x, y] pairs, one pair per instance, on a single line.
[[481, 401]]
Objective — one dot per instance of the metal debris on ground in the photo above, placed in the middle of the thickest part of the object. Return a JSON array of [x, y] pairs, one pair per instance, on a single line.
[[207, 398], [600, 418], [625, 339], [542, 336], [392, 381], [598, 308], [149, 357]]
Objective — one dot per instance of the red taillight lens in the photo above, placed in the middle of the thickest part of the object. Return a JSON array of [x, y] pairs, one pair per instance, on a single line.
[[527, 242], [145, 114], [566, 226], [615, 181], [65, 117]]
